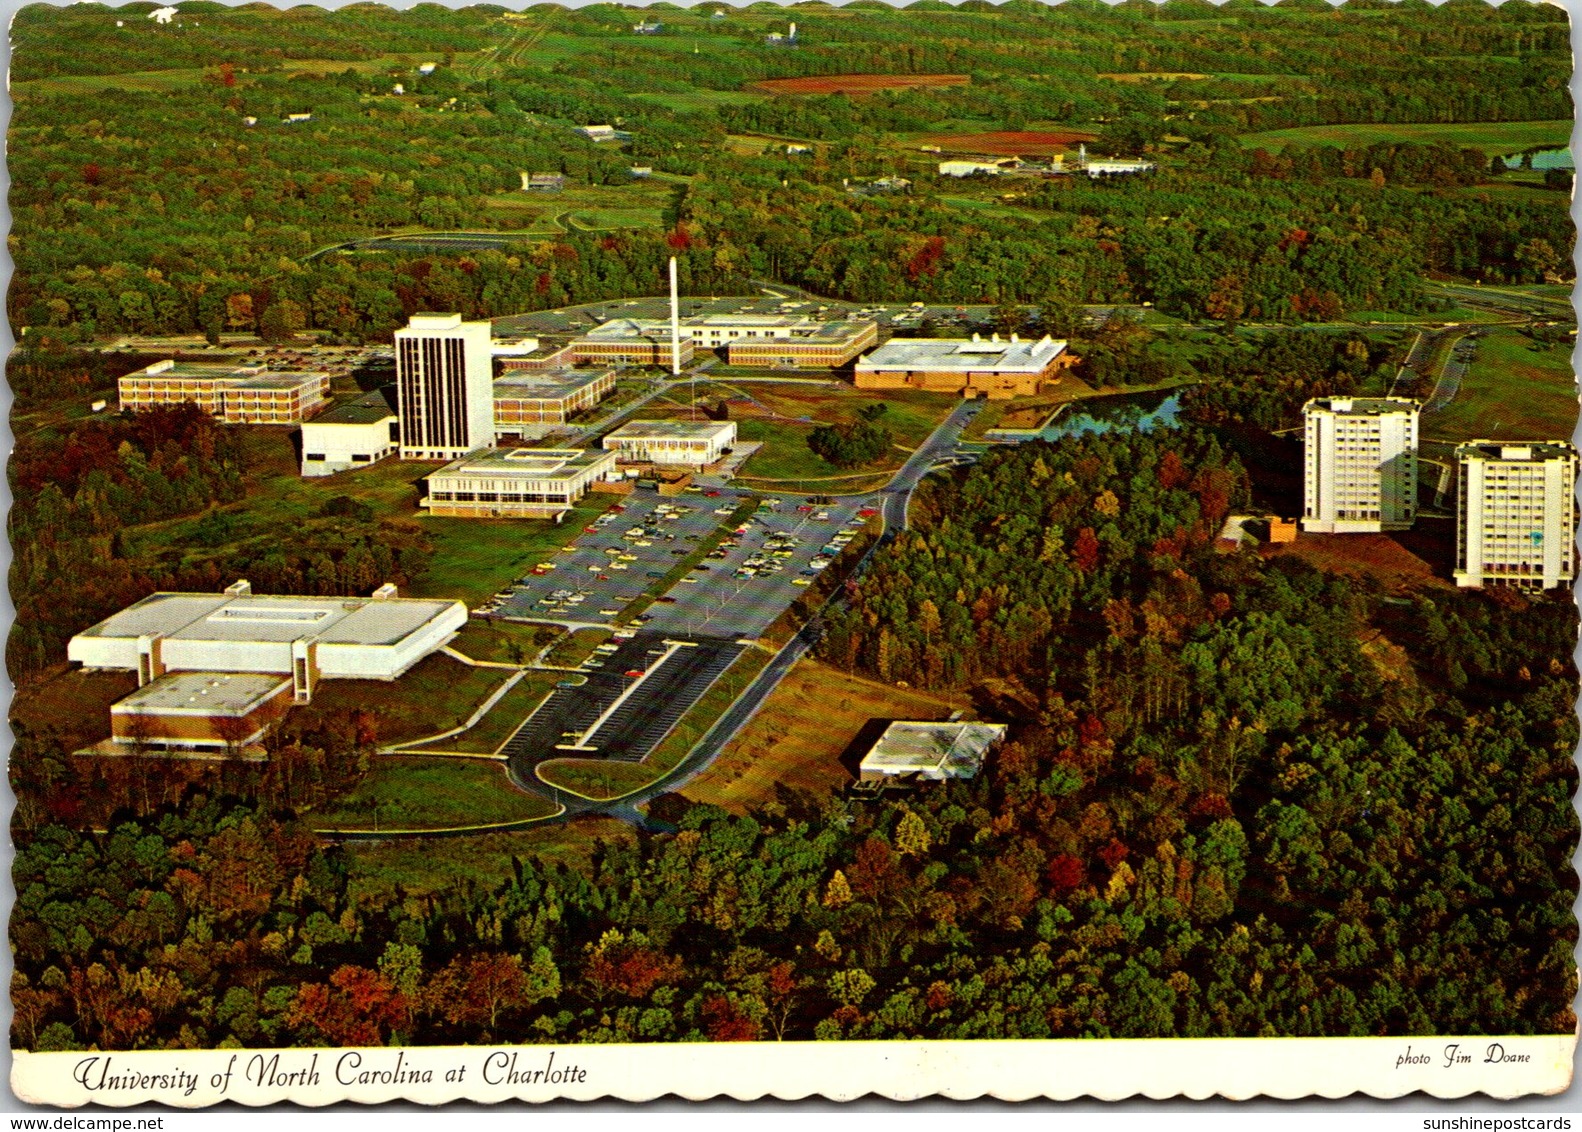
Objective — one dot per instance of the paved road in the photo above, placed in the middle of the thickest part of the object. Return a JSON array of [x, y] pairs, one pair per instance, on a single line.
[[940, 445]]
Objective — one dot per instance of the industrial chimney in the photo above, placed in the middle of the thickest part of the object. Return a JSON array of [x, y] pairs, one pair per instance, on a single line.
[[675, 323]]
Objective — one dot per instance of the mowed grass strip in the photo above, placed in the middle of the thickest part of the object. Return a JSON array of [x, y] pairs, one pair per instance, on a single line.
[[790, 745], [489, 734], [431, 792], [436, 694], [502, 642], [1511, 392], [1493, 138], [606, 779]]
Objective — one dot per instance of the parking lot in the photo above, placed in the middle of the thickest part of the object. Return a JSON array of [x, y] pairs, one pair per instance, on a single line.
[[736, 592], [611, 563], [629, 699], [761, 571]]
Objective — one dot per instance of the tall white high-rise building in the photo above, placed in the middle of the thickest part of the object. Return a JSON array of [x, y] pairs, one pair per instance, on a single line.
[[1360, 471], [1516, 514], [445, 387]]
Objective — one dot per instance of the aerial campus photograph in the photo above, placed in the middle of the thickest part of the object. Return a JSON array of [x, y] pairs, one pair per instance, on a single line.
[[730, 523]]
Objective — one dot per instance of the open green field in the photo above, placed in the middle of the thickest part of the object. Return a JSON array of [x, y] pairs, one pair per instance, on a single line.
[[640, 204], [436, 694], [473, 558], [427, 792], [1493, 138], [141, 81], [700, 99], [605, 779], [1511, 392]]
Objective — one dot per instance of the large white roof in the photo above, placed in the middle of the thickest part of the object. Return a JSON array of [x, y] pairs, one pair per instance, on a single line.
[[1006, 355], [271, 618]]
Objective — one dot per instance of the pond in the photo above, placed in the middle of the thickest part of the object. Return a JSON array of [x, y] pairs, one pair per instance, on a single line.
[[1542, 159], [1128, 411]]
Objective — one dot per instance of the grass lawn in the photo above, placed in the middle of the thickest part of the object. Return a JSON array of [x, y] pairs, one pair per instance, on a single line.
[[474, 558], [910, 416], [436, 694], [1512, 392], [789, 747], [603, 779], [504, 642], [490, 733], [429, 792], [1493, 138], [1453, 314], [385, 871]]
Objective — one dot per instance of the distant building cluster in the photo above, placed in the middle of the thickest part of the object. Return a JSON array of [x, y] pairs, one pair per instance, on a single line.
[[1516, 513], [1061, 165]]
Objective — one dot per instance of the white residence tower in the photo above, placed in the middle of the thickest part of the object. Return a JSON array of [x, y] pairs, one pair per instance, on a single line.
[[1360, 466], [1516, 514]]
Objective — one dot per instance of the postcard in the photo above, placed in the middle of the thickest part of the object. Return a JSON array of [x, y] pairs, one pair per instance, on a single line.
[[957, 550]]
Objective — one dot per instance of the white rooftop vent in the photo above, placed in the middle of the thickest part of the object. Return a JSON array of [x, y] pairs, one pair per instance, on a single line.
[[387, 590], [240, 588]]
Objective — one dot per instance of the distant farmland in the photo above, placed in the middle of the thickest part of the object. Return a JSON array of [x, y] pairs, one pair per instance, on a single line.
[[1009, 143], [856, 84]]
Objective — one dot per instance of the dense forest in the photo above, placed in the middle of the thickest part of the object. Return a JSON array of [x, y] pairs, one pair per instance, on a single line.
[[1231, 804], [178, 201]]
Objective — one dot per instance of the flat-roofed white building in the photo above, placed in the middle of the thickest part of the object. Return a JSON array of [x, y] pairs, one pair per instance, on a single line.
[[994, 366], [305, 638], [1359, 464], [350, 435], [531, 403], [747, 339], [633, 341], [1516, 516], [234, 394], [931, 752], [782, 340], [517, 483], [445, 387], [687, 444]]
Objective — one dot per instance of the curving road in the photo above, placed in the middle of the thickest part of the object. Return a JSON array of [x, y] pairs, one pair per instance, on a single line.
[[893, 501]]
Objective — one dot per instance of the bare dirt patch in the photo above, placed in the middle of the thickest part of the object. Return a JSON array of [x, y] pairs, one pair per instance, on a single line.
[[803, 738], [856, 84], [1378, 556]]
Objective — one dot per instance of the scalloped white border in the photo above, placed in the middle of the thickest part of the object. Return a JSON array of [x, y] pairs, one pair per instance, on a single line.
[[1235, 1068]]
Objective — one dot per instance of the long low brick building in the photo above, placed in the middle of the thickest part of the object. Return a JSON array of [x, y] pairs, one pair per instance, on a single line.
[[995, 366]]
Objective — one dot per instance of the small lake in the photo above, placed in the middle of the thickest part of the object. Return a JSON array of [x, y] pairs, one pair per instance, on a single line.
[[1142, 412], [1543, 159]]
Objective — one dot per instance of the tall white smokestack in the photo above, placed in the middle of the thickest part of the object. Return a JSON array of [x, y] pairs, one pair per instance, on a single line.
[[675, 323]]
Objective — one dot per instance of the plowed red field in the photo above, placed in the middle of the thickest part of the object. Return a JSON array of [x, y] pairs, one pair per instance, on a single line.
[[1009, 143], [855, 84]]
